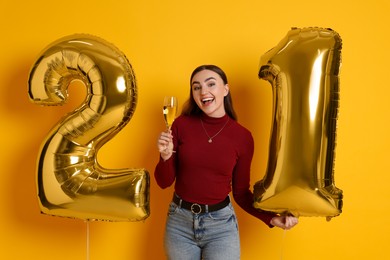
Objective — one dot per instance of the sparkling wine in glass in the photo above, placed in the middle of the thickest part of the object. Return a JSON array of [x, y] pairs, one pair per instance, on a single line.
[[169, 110]]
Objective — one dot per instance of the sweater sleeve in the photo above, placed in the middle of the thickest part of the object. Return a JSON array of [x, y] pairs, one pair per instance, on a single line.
[[241, 183], [164, 173]]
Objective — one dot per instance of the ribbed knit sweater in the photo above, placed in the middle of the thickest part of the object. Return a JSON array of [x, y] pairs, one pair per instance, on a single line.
[[206, 173]]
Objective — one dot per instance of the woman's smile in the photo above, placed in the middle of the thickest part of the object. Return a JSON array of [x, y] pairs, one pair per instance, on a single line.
[[207, 101], [209, 91]]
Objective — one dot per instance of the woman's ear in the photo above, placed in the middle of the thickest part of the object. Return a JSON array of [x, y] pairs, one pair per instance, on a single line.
[[226, 89]]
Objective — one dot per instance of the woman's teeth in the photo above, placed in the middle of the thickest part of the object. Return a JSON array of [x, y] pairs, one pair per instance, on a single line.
[[206, 100]]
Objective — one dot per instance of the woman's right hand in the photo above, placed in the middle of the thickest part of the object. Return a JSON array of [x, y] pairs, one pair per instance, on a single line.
[[165, 144]]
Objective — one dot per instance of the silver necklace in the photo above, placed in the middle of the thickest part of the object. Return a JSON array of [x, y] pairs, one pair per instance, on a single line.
[[211, 138]]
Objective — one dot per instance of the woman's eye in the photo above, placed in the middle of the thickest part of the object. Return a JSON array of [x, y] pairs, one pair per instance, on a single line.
[[211, 84], [196, 88]]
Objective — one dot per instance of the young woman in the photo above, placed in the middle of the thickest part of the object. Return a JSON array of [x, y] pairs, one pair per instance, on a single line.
[[208, 154]]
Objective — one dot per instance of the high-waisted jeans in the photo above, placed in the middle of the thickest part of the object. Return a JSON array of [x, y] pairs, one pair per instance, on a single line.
[[209, 236]]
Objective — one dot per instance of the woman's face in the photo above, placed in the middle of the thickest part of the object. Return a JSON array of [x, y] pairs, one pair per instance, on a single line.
[[208, 91]]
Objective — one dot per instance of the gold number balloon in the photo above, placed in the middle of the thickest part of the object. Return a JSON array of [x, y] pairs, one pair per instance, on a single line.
[[304, 72], [70, 181]]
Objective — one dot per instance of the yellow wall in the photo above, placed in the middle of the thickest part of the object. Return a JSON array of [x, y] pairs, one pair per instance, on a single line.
[[164, 41]]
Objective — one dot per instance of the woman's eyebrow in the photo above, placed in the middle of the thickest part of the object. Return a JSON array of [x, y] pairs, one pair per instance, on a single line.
[[209, 79], [197, 82]]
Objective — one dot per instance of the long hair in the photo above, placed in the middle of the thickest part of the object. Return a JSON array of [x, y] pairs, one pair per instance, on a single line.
[[191, 108]]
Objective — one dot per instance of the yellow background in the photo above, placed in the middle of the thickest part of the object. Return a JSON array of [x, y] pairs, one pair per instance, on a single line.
[[165, 41]]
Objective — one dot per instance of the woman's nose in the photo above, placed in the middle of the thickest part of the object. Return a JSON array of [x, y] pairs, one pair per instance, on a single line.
[[203, 90]]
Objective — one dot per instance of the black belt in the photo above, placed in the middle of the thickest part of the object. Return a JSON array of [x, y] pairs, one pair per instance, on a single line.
[[200, 208]]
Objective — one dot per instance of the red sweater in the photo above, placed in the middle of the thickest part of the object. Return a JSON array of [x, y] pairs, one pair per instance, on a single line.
[[204, 172]]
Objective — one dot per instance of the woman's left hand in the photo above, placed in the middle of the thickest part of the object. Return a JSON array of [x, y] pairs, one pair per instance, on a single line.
[[284, 222]]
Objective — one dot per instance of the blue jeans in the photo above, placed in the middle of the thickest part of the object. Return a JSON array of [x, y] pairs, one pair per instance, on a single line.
[[209, 236]]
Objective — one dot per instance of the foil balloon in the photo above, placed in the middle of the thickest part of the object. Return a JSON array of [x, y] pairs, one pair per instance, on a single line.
[[303, 70], [70, 181]]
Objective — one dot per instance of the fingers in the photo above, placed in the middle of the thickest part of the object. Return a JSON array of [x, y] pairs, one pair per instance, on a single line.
[[278, 222], [165, 145], [163, 140], [166, 136], [290, 222], [284, 222]]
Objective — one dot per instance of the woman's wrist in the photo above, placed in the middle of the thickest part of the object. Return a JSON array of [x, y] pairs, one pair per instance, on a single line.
[[165, 157]]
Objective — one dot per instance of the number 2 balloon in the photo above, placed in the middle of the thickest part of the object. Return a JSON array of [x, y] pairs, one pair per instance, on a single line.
[[70, 181], [303, 70]]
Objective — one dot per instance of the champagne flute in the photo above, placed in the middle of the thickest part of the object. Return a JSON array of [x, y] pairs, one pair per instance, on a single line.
[[169, 110]]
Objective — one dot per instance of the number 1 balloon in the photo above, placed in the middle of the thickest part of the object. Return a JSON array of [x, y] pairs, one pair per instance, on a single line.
[[70, 181], [303, 70]]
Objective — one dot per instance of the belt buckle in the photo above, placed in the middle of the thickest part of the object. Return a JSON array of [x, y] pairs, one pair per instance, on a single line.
[[194, 208]]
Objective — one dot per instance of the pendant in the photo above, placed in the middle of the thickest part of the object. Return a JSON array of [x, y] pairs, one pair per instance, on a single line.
[[210, 140]]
